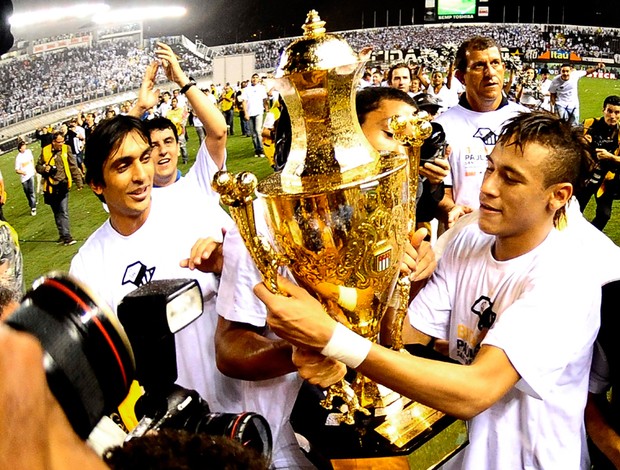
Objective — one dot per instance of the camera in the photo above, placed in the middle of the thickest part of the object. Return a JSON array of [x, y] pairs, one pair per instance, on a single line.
[[151, 315], [91, 359], [599, 142], [434, 146]]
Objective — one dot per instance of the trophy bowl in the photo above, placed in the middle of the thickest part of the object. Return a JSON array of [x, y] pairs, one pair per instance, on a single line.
[[345, 244]]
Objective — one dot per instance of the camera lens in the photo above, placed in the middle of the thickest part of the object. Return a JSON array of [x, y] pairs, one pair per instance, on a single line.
[[250, 429], [88, 361]]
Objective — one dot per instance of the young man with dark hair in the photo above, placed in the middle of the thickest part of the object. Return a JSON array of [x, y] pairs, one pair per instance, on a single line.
[[524, 353], [133, 246], [604, 180]]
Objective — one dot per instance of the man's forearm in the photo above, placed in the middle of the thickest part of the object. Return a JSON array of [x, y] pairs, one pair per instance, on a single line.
[[245, 354], [458, 390], [599, 430]]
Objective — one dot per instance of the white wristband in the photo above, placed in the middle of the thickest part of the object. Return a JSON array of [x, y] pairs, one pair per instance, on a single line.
[[347, 346]]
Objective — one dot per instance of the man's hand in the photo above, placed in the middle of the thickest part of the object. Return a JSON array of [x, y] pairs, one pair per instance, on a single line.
[[170, 63], [35, 432], [296, 316], [148, 96], [419, 261], [603, 154], [316, 368], [456, 213], [206, 256], [436, 171]]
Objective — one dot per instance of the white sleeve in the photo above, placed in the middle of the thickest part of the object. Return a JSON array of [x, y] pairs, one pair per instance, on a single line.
[[236, 300], [547, 328], [430, 310], [203, 171]]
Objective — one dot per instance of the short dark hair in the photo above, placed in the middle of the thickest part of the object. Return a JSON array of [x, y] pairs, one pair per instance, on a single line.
[[475, 43], [570, 159], [161, 124], [171, 448], [613, 100], [106, 139], [369, 99], [56, 134], [399, 65]]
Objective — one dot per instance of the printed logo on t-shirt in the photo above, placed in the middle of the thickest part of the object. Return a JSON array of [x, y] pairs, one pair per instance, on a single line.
[[138, 274], [468, 341], [486, 135]]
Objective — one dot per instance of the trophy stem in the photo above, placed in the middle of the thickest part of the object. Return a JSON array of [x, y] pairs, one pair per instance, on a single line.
[[346, 393]]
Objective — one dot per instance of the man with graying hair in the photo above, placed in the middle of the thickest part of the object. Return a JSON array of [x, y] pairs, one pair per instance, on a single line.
[[473, 125]]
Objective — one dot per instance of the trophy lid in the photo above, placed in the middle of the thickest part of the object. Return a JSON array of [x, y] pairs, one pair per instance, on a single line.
[[315, 50], [317, 77]]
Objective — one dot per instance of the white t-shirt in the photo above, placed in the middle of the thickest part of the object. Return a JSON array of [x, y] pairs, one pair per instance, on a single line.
[[547, 318], [273, 398], [544, 89], [197, 181], [255, 96], [114, 265], [567, 93], [24, 161], [447, 97], [472, 136]]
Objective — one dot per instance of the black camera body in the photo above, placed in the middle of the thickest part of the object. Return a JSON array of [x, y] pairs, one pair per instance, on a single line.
[[434, 146], [600, 142], [91, 360], [151, 315]]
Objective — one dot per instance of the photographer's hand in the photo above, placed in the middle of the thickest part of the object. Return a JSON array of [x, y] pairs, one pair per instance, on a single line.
[[35, 431], [316, 368], [603, 154], [435, 171]]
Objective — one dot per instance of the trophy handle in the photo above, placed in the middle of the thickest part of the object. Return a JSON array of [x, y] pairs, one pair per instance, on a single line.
[[411, 132], [236, 192]]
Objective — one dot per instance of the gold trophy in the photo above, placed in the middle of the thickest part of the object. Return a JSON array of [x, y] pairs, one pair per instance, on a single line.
[[339, 213]]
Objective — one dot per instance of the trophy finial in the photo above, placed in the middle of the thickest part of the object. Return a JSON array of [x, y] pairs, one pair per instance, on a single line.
[[314, 26]]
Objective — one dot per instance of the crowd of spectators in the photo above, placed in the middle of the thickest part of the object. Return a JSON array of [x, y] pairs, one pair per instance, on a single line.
[[48, 81], [583, 40]]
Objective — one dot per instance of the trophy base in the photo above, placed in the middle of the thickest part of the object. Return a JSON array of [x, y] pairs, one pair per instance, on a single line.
[[416, 437]]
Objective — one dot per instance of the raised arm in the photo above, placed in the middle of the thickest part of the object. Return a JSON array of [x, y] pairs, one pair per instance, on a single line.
[[208, 113]]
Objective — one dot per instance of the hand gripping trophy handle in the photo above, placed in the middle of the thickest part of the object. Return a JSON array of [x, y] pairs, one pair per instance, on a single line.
[[411, 132], [236, 192]]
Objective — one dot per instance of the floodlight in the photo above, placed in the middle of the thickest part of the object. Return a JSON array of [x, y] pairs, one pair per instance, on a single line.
[[127, 15], [48, 15]]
